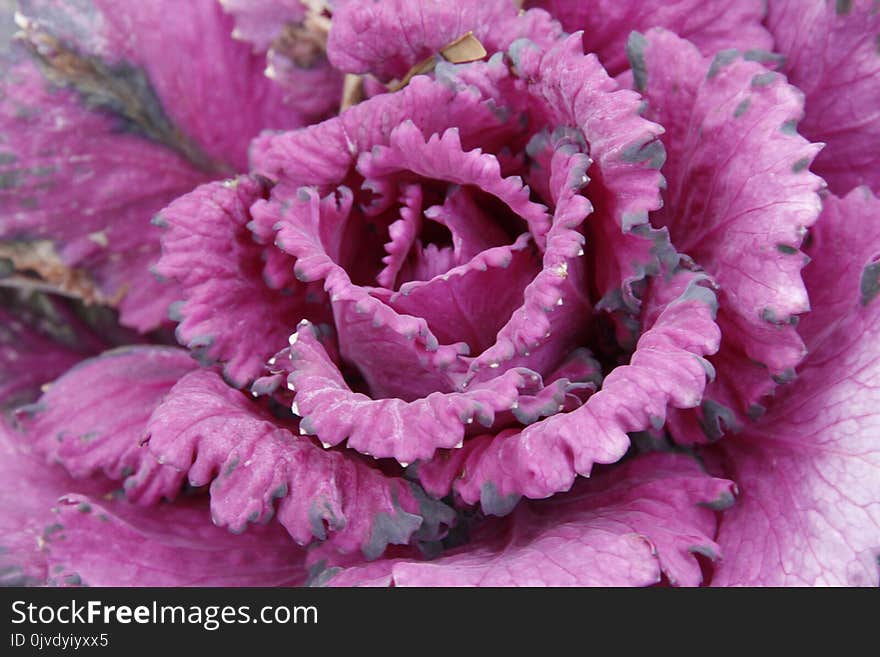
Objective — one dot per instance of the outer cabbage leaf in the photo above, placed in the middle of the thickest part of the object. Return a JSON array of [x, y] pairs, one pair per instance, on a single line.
[[831, 54], [739, 199], [809, 470], [28, 489], [711, 25], [240, 300], [101, 127], [93, 543], [93, 418], [632, 525], [258, 469], [90, 536]]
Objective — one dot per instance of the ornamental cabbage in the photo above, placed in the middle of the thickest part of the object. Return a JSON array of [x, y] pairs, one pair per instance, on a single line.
[[428, 293]]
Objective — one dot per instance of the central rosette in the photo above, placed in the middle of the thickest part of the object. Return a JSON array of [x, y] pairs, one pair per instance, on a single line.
[[427, 252], [448, 226]]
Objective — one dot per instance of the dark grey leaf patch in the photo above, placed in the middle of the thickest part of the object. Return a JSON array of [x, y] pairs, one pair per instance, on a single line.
[[870, 283]]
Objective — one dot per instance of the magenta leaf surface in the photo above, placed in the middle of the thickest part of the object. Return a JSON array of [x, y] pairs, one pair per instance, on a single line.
[[711, 25], [739, 204], [830, 51], [101, 124], [631, 526], [258, 470], [809, 470]]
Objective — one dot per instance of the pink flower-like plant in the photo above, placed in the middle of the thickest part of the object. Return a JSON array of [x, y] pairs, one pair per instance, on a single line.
[[429, 293]]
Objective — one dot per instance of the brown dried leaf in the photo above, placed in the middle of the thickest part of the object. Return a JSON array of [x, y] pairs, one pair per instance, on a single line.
[[38, 267], [466, 48]]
